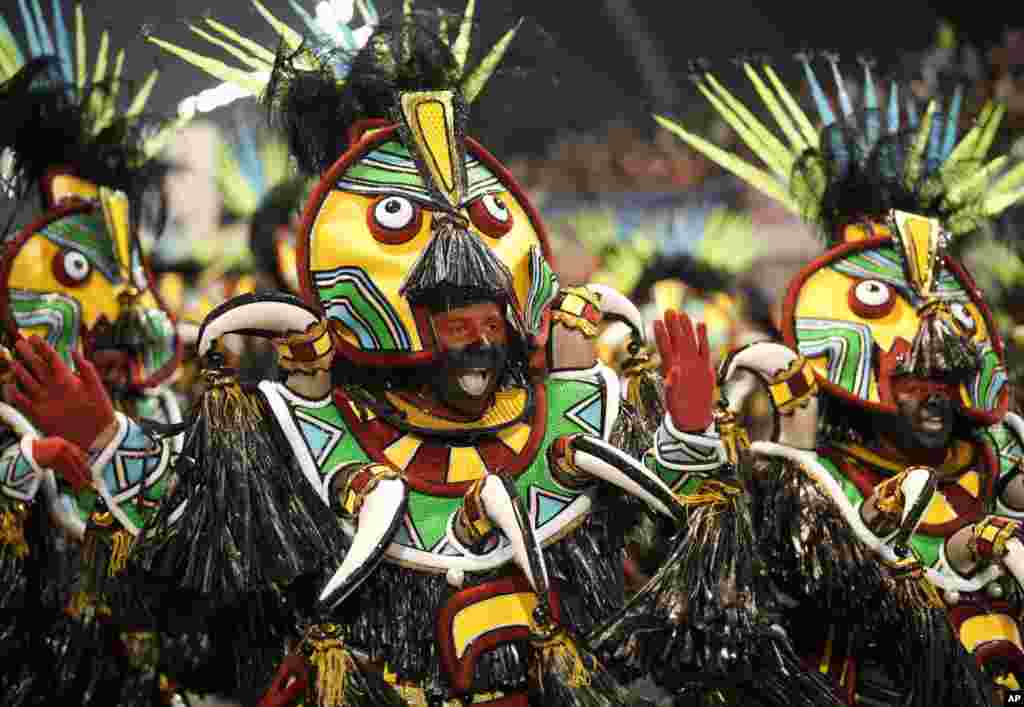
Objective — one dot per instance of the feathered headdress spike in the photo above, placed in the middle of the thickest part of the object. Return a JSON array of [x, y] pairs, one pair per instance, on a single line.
[[952, 122], [322, 40], [820, 99], [872, 117], [917, 159], [893, 114]]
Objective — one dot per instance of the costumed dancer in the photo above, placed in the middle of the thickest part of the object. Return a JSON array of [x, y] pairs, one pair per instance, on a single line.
[[88, 347], [891, 393], [430, 403]]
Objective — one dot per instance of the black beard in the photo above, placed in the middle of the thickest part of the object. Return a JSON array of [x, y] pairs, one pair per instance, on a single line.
[[445, 383]]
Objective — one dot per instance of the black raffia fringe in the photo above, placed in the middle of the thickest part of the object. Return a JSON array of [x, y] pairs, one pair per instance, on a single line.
[[563, 673], [80, 661], [251, 520], [774, 678], [809, 550], [924, 650], [699, 609], [697, 627], [588, 567]]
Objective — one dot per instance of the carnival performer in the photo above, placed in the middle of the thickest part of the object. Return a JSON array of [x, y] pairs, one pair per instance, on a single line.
[[88, 347], [477, 470], [890, 393]]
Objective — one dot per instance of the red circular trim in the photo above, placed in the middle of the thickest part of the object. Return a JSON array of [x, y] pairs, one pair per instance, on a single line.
[[789, 328], [456, 489], [488, 224], [393, 236], [870, 311]]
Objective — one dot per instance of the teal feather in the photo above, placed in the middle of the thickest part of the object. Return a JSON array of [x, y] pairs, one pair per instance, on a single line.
[[820, 100], [893, 125], [912, 116], [313, 29], [369, 10], [249, 162], [45, 41], [63, 41], [934, 149], [952, 121], [34, 48], [845, 104], [872, 117]]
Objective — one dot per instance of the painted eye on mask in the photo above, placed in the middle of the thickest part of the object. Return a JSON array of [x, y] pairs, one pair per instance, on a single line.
[[963, 317], [871, 299], [491, 215], [394, 219], [71, 268]]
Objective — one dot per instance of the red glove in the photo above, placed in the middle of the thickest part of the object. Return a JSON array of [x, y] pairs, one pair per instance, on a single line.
[[289, 683], [67, 460], [686, 368], [59, 402]]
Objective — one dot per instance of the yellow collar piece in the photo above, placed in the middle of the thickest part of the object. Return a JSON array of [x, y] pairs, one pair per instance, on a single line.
[[509, 406]]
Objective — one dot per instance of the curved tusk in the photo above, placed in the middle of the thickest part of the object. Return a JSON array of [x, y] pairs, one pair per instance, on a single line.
[[1014, 559], [265, 315], [918, 490], [615, 305], [504, 508], [381, 512], [603, 461]]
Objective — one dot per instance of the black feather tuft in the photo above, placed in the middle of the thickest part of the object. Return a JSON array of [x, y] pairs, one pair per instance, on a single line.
[[315, 111], [48, 123]]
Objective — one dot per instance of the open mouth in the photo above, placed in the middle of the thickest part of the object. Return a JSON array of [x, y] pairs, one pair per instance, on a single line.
[[475, 381]]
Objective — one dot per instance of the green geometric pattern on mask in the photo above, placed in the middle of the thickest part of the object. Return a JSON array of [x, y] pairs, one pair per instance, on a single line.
[[543, 289], [989, 382], [87, 233], [59, 314], [390, 169], [847, 346]]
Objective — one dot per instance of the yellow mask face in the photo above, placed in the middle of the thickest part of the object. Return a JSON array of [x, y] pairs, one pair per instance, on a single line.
[[373, 219], [77, 279], [866, 300]]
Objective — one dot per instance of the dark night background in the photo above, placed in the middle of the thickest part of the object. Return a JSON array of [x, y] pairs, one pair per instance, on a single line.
[[576, 63]]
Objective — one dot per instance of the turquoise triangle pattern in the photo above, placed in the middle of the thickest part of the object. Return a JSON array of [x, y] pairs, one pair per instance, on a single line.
[[548, 506], [320, 436], [589, 414]]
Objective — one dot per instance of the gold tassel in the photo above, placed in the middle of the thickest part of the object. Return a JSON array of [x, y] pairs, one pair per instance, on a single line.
[[332, 663], [711, 492], [558, 652], [12, 529], [121, 543], [912, 585]]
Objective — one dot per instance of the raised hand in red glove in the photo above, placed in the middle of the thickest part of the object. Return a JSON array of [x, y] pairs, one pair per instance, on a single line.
[[686, 369], [289, 683], [66, 459], [59, 402]]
